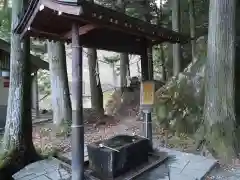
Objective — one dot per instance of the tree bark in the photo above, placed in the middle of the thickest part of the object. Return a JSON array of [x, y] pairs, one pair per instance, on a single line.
[[61, 103], [163, 67], [164, 74], [35, 99], [5, 4], [192, 28], [176, 27], [18, 142], [114, 74], [169, 60], [124, 61], [150, 63], [219, 113], [95, 83]]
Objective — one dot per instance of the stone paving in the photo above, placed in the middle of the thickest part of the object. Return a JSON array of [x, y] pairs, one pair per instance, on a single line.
[[221, 173], [49, 169], [180, 166]]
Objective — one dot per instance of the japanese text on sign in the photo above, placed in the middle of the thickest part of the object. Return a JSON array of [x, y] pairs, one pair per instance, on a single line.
[[148, 91]]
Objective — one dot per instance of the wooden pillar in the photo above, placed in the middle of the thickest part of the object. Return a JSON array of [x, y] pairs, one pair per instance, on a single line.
[[77, 105], [35, 99]]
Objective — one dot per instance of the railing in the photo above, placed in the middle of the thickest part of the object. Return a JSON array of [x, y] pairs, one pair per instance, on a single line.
[[48, 94]]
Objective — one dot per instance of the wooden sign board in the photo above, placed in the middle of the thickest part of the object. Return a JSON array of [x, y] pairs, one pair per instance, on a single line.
[[147, 93], [6, 82]]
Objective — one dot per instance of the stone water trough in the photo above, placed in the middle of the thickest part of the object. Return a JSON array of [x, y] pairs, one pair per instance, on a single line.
[[121, 155]]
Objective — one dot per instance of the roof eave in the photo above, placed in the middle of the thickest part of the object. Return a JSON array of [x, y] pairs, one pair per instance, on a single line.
[[24, 26]]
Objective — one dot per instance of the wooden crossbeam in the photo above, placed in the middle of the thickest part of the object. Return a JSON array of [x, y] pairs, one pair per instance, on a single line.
[[82, 30]]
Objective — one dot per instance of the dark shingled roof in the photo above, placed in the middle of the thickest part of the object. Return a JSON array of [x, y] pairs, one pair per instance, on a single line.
[[100, 27], [36, 61]]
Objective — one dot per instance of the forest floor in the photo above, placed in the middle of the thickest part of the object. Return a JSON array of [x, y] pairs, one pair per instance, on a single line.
[[46, 142]]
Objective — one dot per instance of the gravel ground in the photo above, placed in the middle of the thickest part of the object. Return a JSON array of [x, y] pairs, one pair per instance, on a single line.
[[225, 172], [45, 140]]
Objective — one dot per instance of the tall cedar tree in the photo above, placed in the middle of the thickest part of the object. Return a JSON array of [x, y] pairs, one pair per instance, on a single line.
[[192, 28], [176, 27], [95, 82], [61, 102], [18, 143], [124, 59], [219, 113]]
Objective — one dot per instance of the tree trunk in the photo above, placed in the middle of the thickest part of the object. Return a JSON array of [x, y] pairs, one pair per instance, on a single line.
[[138, 68], [61, 103], [95, 83], [150, 64], [35, 98], [18, 142], [114, 74], [5, 4], [176, 27], [163, 67], [219, 113], [123, 70], [192, 28], [124, 59], [169, 60], [164, 74]]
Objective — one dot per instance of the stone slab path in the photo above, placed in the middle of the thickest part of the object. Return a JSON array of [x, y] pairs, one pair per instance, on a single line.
[[225, 173], [180, 166], [49, 169]]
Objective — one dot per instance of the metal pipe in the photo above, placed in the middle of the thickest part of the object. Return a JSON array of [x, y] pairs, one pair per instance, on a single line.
[[104, 146], [77, 100], [148, 126]]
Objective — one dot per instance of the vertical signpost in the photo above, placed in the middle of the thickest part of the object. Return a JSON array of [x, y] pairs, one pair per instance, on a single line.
[[147, 97]]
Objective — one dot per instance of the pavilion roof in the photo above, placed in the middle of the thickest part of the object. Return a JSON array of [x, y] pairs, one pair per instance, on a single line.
[[36, 61], [100, 27]]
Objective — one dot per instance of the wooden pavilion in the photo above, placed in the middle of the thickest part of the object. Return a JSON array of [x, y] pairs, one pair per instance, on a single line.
[[85, 24]]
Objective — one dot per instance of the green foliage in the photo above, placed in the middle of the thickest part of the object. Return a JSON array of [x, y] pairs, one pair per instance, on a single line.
[[178, 110], [39, 47], [179, 103], [158, 62], [44, 84], [64, 129], [5, 24]]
